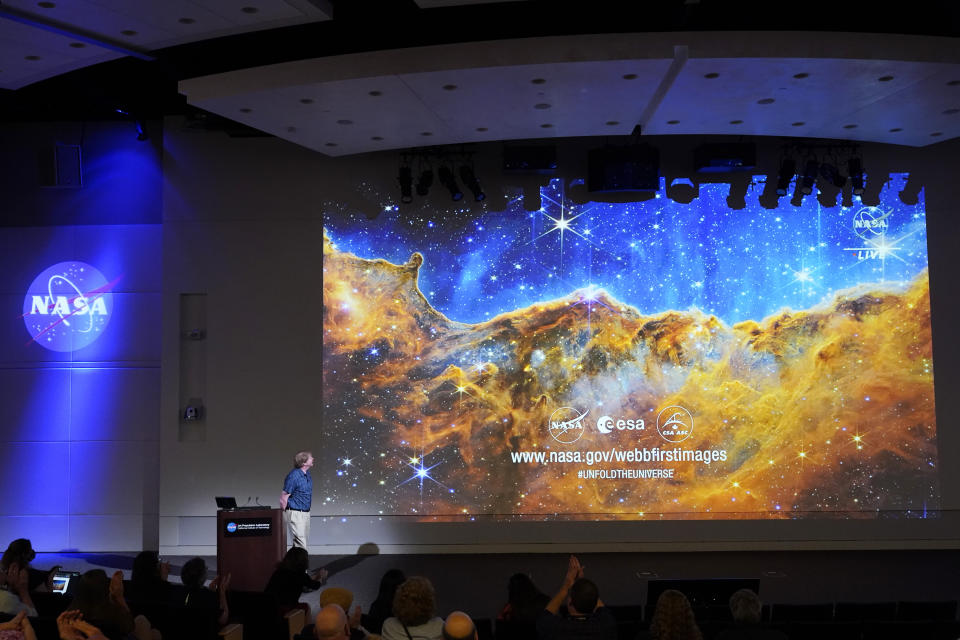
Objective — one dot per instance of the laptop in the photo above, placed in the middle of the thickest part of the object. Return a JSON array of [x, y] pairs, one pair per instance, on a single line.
[[226, 502]]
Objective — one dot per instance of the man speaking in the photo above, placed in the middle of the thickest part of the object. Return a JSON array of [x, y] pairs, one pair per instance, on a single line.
[[295, 499]]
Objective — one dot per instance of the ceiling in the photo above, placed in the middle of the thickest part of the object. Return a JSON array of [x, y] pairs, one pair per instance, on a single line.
[[331, 76]]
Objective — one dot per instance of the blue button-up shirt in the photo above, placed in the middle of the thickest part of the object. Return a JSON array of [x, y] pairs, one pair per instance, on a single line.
[[300, 487]]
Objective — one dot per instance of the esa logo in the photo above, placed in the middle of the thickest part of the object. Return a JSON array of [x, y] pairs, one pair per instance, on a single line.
[[606, 424], [231, 527]]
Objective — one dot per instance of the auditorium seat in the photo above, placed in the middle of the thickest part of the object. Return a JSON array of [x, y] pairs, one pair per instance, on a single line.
[[801, 612], [261, 618]]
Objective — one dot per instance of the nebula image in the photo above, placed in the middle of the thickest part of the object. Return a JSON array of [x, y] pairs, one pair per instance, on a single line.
[[783, 371]]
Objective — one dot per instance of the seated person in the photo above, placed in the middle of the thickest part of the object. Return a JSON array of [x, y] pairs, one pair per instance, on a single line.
[[414, 613], [343, 598], [587, 617], [331, 624], [194, 575], [746, 607], [18, 628], [382, 607], [148, 580], [20, 553], [72, 626], [15, 591], [518, 618], [459, 626], [100, 602], [290, 579], [672, 619]]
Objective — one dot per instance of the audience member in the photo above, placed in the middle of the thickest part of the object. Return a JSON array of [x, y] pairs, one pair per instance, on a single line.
[[459, 626], [72, 626], [587, 617], [414, 613], [100, 601], [148, 580], [745, 605], [19, 628], [524, 600], [20, 553], [196, 596], [331, 624], [15, 591], [673, 619], [290, 579], [344, 599], [382, 607]]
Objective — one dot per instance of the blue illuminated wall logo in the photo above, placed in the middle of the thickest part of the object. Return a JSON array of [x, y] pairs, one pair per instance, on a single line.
[[68, 306]]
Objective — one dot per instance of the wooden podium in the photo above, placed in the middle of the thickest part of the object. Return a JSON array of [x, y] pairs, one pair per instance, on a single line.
[[250, 543]]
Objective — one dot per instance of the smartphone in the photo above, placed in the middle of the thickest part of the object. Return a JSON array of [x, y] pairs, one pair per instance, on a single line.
[[63, 579]]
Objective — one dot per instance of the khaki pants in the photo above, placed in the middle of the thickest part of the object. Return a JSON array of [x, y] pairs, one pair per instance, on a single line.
[[298, 523]]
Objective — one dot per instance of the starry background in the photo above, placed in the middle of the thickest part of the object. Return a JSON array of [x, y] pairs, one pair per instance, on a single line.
[[655, 255]]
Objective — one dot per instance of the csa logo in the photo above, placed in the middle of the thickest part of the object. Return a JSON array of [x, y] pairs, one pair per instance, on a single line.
[[231, 527], [68, 306], [674, 423], [566, 425]]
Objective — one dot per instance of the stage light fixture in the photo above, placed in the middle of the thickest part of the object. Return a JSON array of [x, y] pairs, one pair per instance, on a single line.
[[788, 169], [809, 177], [471, 182], [424, 182], [831, 174], [142, 134], [737, 197], [855, 169], [682, 190], [911, 190], [531, 197], [405, 178], [448, 181]]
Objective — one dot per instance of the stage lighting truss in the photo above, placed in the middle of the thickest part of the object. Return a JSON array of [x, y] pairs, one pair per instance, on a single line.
[[449, 162]]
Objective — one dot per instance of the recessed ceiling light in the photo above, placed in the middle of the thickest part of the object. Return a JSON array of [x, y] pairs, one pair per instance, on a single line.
[[629, 76], [31, 58], [896, 129], [249, 9], [711, 75], [344, 121], [673, 122], [950, 112], [375, 93], [541, 105], [291, 129], [936, 134], [736, 122], [245, 109], [884, 78], [426, 133], [798, 124], [77, 45], [47, 5], [449, 87], [953, 83], [186, 20], [481, 129], [612, 123], [376, 138], [546, 126], [801, 76], [537, 81], [849, 126], [306, 100], [128, 32], [330, 144], [766, 101]]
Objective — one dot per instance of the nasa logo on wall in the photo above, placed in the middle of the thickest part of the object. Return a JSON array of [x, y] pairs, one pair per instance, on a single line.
[[68, 306]]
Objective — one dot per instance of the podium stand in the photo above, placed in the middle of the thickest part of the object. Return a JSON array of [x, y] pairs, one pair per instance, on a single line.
[[250, 543]]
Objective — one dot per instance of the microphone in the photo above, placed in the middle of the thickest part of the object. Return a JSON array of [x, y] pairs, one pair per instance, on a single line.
[[258, 502]]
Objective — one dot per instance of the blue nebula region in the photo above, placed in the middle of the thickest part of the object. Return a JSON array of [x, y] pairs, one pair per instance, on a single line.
[[655, 255]]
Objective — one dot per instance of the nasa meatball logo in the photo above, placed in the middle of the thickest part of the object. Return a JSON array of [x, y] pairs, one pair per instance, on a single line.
[[606, 424], [674, 423], [566, 425], [68, 306], [231, 527], [870, 222]]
